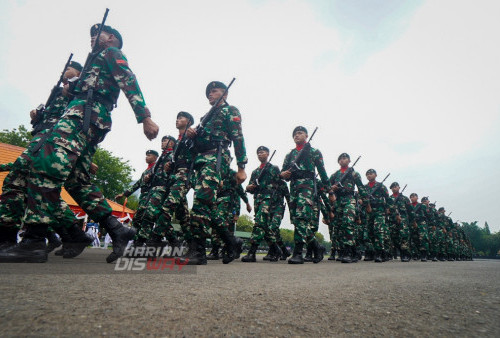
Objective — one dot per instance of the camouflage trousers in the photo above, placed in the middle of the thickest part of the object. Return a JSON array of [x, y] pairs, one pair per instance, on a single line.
[[345, 222], [175, 202], [277, 214], [422, 234], [262, 227], [304, 214], [206, 184], [440, 241], [64, 159], [13, 199], [400, 234], [376, 231], [433, 240], [221, 218], [151, 212]]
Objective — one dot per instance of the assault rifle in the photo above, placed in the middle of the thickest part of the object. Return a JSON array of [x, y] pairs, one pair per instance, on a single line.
[[370, 195], [41, 108], [257, 180], [87, 112], [450, 213], [294, 166], [397, 199], [347, 172]]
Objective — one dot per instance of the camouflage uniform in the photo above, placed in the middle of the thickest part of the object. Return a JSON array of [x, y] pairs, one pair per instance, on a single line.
[[345, 208], [432, 226], [176, 200], [420, 227], [160, 185], [377, 232], [302, 193], [218, 133], [401, 231], [66, 154], [263, 192], [145, 187], [278, 210]]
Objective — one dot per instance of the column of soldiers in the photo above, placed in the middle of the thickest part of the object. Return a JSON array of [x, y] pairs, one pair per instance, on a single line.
[[78, 118]]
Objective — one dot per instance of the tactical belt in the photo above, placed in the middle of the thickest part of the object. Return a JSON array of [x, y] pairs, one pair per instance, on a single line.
[[96, 97], [342, 193], [302, 174], [211, 147]]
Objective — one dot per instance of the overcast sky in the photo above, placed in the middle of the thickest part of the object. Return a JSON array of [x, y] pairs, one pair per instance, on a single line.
[[411, 86]]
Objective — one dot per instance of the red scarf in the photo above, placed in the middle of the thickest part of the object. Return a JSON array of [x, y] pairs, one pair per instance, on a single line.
[[151, 165], [262, 165], [299, 146], [414, 203], [395, 194], [343, 169], [180, 137], [371, 184]]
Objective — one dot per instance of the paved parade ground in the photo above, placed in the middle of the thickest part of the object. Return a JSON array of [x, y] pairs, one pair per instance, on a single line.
[[82, 297]]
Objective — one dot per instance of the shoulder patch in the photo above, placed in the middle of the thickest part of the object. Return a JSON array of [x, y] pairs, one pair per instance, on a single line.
[[236, 119], [121, 62]]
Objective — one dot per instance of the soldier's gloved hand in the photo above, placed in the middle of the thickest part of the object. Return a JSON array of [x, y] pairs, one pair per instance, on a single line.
[[251, 187], [150, 128], [249, 207], [335, 187]]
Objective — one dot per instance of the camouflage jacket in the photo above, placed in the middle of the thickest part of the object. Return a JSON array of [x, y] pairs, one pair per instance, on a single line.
[[268, 182], [224, 127], [281, 192], [419, 210], [141, 183], [308, 166], [401, 205], [6, 166], [158, 174], [185, 154], [323, 201], [233, 190], [51, 114], [380, 198], [108, 73], [350, 182]]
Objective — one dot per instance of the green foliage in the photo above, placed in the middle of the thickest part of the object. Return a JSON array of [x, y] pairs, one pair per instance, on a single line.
[[132, 202], [17, 137], [287, 236], [114, 175], [484, 242], [244, 223]]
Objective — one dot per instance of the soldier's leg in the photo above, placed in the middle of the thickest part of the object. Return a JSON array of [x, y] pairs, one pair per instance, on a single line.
[[348, 229], [404, 239], [368, 237], [423, 237]]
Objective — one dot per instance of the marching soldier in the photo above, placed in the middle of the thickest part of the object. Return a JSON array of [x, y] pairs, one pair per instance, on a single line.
[[212, 159], [401, 217], [420, 225], [301, 176]]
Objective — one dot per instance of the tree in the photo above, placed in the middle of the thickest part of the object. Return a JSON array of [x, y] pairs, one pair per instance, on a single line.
[[20, 136], [114, 175], [244, 223]]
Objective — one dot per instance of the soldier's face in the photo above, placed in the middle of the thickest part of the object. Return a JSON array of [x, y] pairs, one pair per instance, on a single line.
[[70, 73], [262, 155], [102, 39], [414, 198], [150, 158], [300, 137], [164, 143], [181, 122], [344, 161], [395, 190], [214, 95], [371, 176]]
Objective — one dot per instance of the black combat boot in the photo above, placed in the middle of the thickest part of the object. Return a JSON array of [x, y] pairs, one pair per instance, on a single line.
[[8, 236], [276, 252], [347, 255], [309, 252], [434, 257], [74, 240], [250, 256], [369, 256], [214, 254], [156, 244], [284, 252], [378, 256], [318, 251], [269, 255], [423, 256], [395, 253], [332, 254], [54, 241], [355, 254], [239, 247], [32, 248], [230, 247], [441, 258], [120, 236], [196, 254], [297, 254]]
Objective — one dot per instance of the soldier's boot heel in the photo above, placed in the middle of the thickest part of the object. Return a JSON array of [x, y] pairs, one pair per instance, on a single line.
[[239, 247], [276, 253], [214, 253], [250, 256], [120, 235], [76, 241], [347, 255], [54, 241], [230, 250], [332, 254], [369, 256], [309, 252], [297, 254], [32, 249], [8, 236], [284, 253], [378, 257], [423, 256], [318, 251]]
